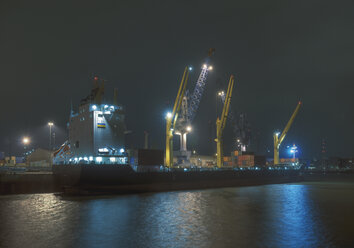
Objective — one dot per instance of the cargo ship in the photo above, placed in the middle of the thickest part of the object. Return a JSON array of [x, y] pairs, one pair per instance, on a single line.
[[94, 159], [90, 179]]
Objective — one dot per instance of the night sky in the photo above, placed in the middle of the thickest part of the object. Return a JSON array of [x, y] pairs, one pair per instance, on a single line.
[[280, 52]]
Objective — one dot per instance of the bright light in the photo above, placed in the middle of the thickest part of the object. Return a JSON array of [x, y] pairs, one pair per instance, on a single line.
[[75, 159], [99, 159], [50, 124], [80, 158], [221, 93], [277, 133], [189, 128], [112, 159], [190, 68], [86, 158], [293, 150], [25, 140], [210, 68], [107, 112], [91, 158], [94, 107], [205, 66], [121, 150], [103, 149], [105, 106], [169, 115]]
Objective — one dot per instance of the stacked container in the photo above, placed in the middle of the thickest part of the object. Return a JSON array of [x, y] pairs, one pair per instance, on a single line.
[[228, 161]]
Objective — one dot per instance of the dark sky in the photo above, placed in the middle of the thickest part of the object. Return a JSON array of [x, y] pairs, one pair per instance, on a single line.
[[280, 51]]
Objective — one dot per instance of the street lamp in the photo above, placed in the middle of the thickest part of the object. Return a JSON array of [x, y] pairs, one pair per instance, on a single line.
[[25, 141], [50, 124], [293, 150]]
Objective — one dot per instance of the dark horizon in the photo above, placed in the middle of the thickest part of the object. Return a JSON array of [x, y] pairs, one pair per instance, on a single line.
[[280, 53]]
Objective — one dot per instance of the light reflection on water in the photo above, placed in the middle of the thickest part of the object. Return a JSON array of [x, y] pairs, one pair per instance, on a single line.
[[292, 215]]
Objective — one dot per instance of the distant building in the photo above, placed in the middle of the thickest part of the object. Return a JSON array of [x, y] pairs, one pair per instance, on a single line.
[[10, 160], [347, 163], [40, 157], [2, 155], [202, 160]]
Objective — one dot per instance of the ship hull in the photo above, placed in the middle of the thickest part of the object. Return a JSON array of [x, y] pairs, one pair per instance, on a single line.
[[82, 179]]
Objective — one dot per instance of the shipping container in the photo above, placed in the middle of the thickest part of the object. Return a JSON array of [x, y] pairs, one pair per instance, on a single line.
[[228, 164], [227, 159], [236, 153]]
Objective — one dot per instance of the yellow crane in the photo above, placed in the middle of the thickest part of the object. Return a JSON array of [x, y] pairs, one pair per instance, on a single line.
[[171, 119], [220, 124], [279, 139]]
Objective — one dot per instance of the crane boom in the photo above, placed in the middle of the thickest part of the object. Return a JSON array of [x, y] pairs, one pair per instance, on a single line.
[[189, 106], [195, 98], [226, 107], [221, 123], [172, 117], [290, 122], [279, 140], [240, 126]]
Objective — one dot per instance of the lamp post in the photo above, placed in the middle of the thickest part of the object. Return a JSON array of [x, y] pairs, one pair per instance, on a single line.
[[25, 141], [50, 124], [293, 150]]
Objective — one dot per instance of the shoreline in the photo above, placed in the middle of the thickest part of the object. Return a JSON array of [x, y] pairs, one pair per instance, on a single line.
[[46, 182]]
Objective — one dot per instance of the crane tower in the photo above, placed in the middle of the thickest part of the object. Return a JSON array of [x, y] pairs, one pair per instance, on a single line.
[[241, 127], [189, 107]]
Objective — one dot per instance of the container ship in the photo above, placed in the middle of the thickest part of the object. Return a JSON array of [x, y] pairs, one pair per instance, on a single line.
[[94, 159]]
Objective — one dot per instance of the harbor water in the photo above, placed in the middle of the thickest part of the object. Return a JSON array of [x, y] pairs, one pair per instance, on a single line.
[[318, 214]]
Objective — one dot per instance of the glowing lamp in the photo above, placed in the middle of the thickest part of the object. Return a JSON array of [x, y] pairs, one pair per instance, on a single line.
[[169, 115], [25, 140]]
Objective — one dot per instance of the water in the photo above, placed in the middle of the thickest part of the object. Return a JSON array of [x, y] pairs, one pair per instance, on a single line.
[[288, 215]]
